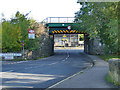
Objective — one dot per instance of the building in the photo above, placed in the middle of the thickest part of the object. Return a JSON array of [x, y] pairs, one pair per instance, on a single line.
[[70, 40]]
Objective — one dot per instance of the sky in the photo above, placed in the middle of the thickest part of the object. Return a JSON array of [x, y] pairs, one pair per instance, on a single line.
[[40, 9]]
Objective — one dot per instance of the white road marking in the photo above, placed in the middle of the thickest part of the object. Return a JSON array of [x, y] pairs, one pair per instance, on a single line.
[[41, 65], [9, 71], [28, 67], [66, 57], [63, 80], [15, 62], [82, 71], [53, 63]]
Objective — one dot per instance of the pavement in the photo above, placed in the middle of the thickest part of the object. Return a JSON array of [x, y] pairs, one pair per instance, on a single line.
[[94, 77]]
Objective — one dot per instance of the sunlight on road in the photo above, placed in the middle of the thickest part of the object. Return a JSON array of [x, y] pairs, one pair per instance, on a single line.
[[71, 48], [25, 80]]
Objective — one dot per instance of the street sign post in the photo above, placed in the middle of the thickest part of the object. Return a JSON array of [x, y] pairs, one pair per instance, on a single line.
[[31, 34], [22, 44], [23, 48]]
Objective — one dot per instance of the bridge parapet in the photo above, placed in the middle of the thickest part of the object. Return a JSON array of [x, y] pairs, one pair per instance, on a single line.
[[58, 20], [59, 25]]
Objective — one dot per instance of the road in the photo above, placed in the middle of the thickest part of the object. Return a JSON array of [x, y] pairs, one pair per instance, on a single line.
[[45, 72]]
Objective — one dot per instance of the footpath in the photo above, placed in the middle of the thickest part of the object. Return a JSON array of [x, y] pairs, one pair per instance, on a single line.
[[94, 77]]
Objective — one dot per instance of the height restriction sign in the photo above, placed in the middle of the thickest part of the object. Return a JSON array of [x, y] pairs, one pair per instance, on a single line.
[[69, 27], [31, 34]]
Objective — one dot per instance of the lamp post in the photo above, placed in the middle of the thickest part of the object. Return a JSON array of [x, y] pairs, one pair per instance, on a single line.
[[23, 46]]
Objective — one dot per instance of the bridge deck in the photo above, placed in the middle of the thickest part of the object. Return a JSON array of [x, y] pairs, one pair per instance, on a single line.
[[58, 25]]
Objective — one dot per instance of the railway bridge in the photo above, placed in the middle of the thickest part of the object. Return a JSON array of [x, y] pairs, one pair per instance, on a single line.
[[64, 25]]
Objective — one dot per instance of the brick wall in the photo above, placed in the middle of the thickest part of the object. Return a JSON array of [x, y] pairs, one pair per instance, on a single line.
[[92, 46], [45, 43]]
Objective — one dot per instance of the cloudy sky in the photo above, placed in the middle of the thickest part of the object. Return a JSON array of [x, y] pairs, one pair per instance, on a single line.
[[40, 9]]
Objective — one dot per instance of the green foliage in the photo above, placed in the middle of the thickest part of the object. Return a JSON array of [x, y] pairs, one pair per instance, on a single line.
[[108, 78], [11, 36], [81, 37], [107, 57], [15, 31], [100, 19], [111, 81]]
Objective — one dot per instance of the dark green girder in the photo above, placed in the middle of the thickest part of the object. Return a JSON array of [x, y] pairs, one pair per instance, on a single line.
[[61, 28]]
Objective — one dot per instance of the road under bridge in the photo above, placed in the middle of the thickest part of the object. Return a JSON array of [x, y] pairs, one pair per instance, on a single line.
[[64, 25]]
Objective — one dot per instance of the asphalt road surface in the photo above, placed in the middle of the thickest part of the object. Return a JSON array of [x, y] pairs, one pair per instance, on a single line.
[[45, 72]]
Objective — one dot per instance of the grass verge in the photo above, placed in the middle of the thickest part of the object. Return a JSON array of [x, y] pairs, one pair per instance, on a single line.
[[27, 59], [15, 60], [111, 81], [109, 56]]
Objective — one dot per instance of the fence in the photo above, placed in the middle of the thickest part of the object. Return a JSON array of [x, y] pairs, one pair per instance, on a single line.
[[58, 20]]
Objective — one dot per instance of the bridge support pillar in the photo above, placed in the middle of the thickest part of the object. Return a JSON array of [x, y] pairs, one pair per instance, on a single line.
[[92, 46], [52, 44], [86, 43]]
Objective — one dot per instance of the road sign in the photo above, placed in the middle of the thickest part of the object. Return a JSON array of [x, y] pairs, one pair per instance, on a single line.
[[31, 31], [31, 34], [22, 44], [9, 57], [69, 27]]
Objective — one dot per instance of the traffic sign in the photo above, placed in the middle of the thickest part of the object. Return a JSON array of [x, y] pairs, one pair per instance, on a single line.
[[69, 27], [9, 57], [23, 44], [31, 34], [31, 31]]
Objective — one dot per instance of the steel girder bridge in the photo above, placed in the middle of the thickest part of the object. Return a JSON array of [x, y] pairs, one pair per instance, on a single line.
[[61, 25]]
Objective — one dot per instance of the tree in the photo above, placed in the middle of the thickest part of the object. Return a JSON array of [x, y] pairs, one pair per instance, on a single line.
[[11, 36], [100, 19], [81, 37], [15, 31]]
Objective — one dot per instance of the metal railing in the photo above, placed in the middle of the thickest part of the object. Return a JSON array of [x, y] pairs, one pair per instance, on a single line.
[[58, 20]]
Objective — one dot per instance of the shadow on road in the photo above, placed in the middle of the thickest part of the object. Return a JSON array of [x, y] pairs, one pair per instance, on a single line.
[[45, 72]]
